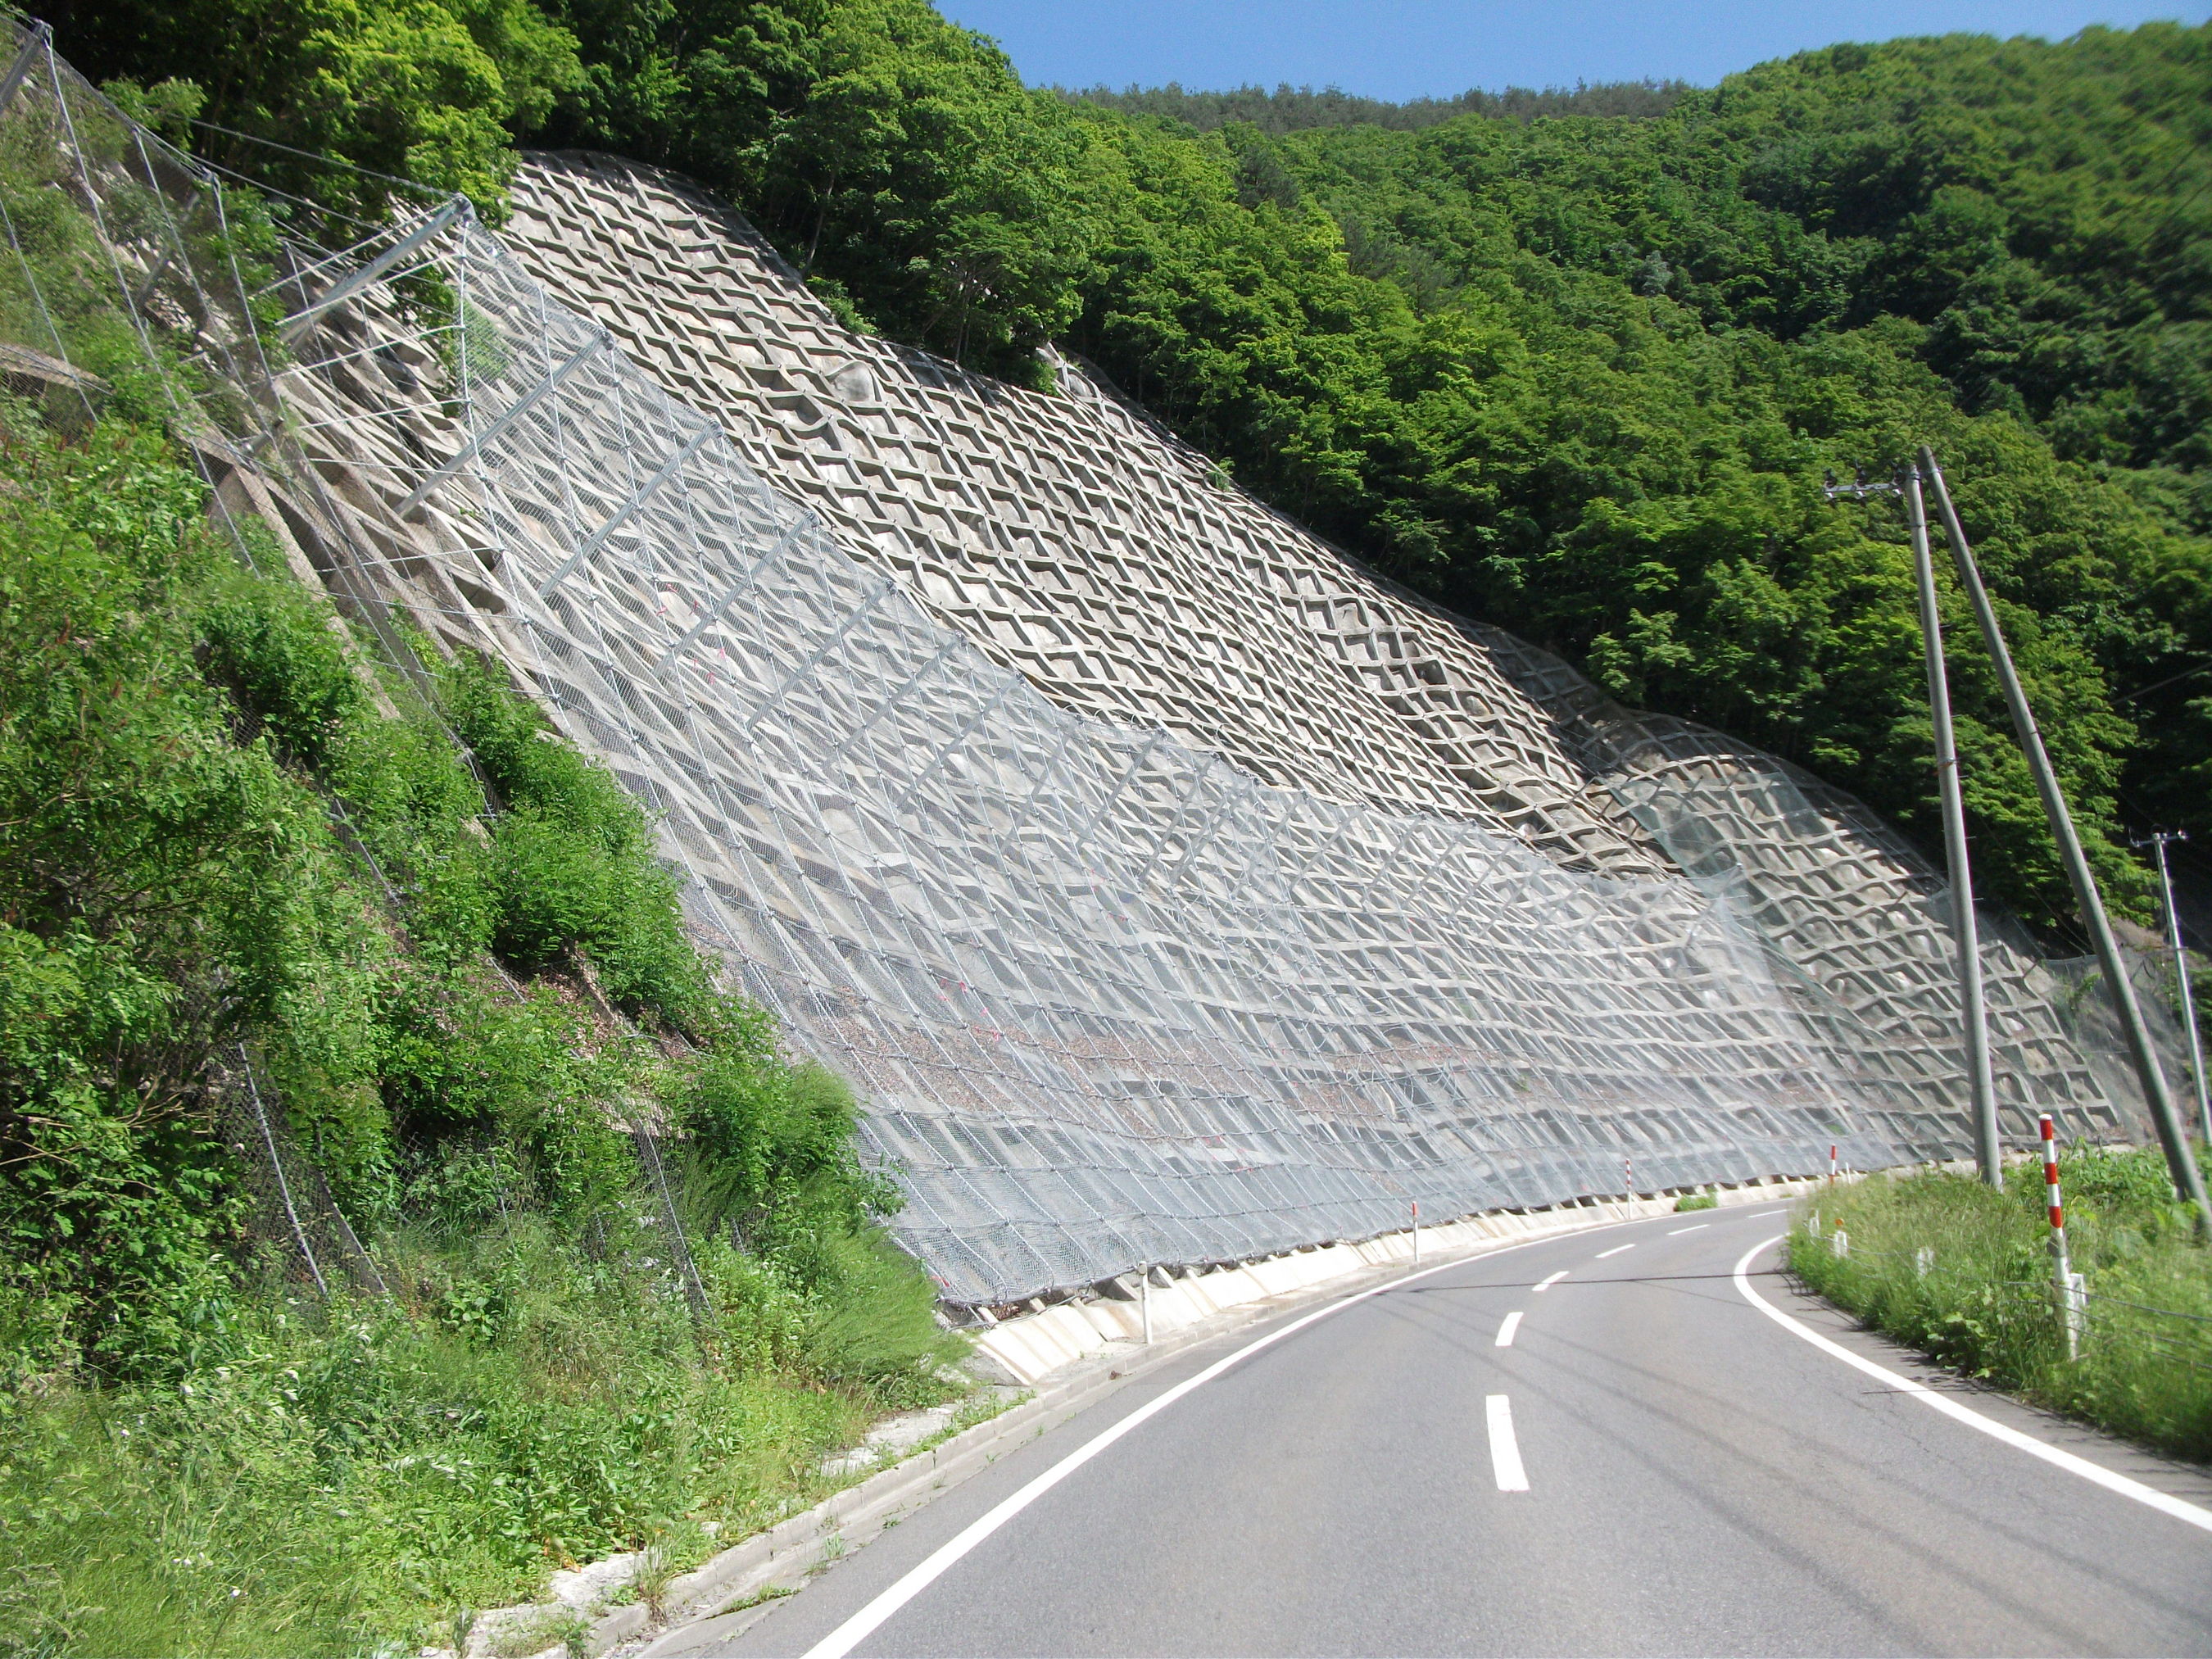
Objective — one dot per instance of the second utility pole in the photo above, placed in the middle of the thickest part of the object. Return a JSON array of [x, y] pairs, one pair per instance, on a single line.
[[1981, 1085], [2158, 839]]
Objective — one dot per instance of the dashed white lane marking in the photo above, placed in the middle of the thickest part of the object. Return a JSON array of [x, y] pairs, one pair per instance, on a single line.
[[1505, 1331], [1552, 1280], [857, 1629], [2178, 1508], [1615, 1250], [1504, 1452], [1700, 1228]]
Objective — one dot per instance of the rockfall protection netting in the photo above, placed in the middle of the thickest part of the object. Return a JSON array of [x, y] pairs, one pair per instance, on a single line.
[[1108, 997]]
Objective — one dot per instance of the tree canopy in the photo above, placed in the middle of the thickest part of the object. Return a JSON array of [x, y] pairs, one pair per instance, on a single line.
[[1574, 368]]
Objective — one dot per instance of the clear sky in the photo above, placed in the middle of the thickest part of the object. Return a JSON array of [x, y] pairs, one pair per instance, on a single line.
[[1401, 49]]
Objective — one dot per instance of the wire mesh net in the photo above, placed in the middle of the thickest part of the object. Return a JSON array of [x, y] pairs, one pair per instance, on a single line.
[[1108, 994]]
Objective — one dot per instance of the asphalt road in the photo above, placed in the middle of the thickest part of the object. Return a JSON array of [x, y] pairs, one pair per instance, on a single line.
[[1699, 1481]]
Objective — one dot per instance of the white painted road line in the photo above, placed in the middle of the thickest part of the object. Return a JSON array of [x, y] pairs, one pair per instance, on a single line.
[[1615, 1250], [2096, 1473], [857, 1629], [1552, 1280], [1505, 1331], [1755, 1214], [1504, 1452], [1700, 1228]]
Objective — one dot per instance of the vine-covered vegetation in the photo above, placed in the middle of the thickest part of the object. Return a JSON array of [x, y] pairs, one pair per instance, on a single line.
[[225, 842], [1576, 367]]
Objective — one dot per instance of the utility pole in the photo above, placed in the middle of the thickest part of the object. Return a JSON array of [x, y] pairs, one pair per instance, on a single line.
[[1981, 1085], [2188, 1182], [2157, 840]]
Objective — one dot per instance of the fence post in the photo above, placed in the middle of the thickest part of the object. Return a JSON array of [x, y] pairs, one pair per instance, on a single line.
[[1416, 1232], [2061, 1272]]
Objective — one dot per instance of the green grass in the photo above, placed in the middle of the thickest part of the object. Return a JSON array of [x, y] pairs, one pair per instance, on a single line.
[[1696, 1201], [1985, 1304], [354, 1474]]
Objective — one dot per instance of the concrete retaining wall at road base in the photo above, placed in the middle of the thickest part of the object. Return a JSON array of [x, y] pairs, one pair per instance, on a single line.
[[1034, 1346], [1070, 1355]]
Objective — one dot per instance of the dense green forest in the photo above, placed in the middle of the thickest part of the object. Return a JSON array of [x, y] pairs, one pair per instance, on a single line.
[[1293, 109], [1578, 374]]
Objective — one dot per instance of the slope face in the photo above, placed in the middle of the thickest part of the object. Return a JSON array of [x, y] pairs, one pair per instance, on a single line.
[[1110, 997], [1068, 538], [1076, 543]]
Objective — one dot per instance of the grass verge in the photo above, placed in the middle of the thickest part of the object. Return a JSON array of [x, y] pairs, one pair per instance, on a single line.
[[1963, 1273]]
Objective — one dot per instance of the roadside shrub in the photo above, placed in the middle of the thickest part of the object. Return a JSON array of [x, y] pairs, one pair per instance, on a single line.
[[225, 838]]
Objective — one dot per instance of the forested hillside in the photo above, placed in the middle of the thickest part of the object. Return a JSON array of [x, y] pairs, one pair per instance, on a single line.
[[1577, 374]]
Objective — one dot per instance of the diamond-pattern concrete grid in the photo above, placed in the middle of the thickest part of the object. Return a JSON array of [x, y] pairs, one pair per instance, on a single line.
[[1172, 888]]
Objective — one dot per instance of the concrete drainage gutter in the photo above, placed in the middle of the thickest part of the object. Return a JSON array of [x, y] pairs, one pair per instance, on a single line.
[[1059, 1360]]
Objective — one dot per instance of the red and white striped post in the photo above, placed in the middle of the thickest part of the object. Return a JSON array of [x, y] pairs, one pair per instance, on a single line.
[[1628, 1175], [2060, 1269], [1832, 1164]]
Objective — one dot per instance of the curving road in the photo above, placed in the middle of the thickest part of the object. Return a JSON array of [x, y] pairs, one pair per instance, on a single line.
[[1699, 1478]]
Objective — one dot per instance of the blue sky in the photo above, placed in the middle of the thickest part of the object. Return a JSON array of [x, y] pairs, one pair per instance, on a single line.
[[1400, 49]]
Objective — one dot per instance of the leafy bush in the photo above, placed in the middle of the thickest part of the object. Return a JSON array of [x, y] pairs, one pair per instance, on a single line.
[[574, 863], [1963, 1272], [1696, 1201], [225, 839]]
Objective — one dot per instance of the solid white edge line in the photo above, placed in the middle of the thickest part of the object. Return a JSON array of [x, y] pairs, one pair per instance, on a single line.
[[1552, 1280], [2180, 1509], [1615, 1250], [1674, 1231], [1504, 1450], [1755, 1214], [857, 1629], [1505, 1331]]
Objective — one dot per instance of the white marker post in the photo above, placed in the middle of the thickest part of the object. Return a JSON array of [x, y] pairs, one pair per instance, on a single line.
[[1145, 1300], [2069, 1308], [1416, 1232]]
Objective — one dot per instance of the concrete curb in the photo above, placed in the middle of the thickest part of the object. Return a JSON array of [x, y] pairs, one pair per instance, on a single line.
[[1085, 1361]]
